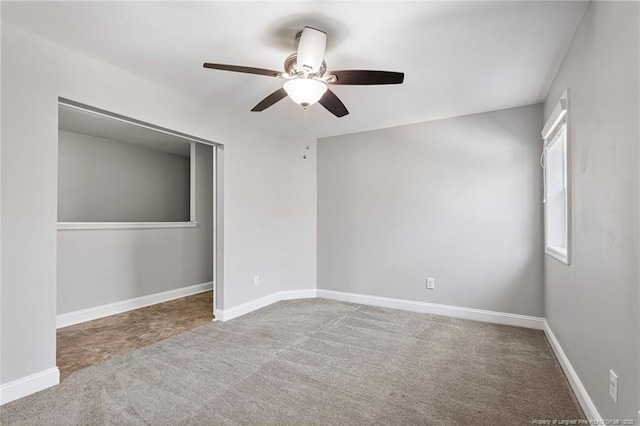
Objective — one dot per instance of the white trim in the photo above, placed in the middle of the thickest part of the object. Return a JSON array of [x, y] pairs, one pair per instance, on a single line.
[[63, 226], [71, 318], [108, 114], [28, 385], [558, 113], [557, 254], [559, 117], [406, 305], [214, 225], [192, 182], [437, 309], [245, 308], [579, 390], [311, 293]]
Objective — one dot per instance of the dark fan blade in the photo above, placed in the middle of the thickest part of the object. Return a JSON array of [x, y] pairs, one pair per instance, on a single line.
[[333, 104], [270, 100], [246, 70], [367, 77]]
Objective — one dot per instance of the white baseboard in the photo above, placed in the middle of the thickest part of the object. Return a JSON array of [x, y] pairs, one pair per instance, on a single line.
[[406, 305], [298, 294], [245, 308], [579, 390], [27, 385], [71, 318], [437, 309]]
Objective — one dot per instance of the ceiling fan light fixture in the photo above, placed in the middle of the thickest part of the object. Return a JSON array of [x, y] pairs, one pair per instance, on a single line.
[[305, 91], [307, 82]]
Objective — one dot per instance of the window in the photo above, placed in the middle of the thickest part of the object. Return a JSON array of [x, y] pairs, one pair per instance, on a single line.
[[555, 161]]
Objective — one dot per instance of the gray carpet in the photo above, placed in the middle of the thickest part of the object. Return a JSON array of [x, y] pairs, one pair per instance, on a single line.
[[318, 362]]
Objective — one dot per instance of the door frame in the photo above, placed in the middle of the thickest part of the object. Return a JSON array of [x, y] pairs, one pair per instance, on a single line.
[[217, 285]]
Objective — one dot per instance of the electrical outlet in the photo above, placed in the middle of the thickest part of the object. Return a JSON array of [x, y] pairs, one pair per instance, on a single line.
[[613, 386], [431, 283], [256, 280]]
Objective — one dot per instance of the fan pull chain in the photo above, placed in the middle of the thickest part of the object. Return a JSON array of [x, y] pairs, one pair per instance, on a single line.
[[305, 119], [305, 124]]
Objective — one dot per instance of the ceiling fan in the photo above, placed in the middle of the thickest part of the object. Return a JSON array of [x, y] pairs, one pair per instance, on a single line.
[[307, 78]]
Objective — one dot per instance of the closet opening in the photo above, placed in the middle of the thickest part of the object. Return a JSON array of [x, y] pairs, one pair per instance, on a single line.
[[137, 244]]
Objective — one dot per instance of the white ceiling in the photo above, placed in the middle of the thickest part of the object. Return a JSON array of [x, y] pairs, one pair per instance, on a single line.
[[458, 57], [87, 123]]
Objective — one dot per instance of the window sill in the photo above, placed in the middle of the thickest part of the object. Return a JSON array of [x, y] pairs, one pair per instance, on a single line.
[[558, 254], [62, 226]]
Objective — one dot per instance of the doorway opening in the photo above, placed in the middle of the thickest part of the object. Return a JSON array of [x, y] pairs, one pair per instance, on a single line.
[[137, 246]]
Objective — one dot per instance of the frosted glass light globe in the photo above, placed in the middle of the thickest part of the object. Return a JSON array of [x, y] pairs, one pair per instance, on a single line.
[[305, 91]]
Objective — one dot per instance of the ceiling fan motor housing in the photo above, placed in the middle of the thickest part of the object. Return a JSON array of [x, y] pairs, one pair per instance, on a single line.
[[291, 67], [311, 48]]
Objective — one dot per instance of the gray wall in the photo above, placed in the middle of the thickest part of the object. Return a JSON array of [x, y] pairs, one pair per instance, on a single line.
[[96, 267], [102, 180], [592, 305], [458, 200], [255, 165]]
